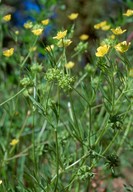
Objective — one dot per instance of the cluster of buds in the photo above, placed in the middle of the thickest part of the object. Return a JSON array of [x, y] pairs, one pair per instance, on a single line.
[[64, 81]]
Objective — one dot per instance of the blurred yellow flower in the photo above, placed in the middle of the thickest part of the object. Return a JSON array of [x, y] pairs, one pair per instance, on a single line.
[[69, 65], [131, 72], [14, 142], [60, 35], [118, 31], [45, 22], [102, 50], [122, 47], [0, 182], [84, 37], [7, 17], [16, 32], [49, 48], [128, 13], [73, 16], [64, 43], [37, 31], [99, 25], [28, 25], [105, 27], [8, 52]]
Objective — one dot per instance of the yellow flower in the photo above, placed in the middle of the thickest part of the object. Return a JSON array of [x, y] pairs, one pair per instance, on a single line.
[[102, 50], [84, 37], [64, 43], [131, 72], [49, 48], [28, 25], [101, 24], [14, 142], [73, 16], [60, 35], [16, 32], [7, 17], [118, 31], [105, 27], [122, 47], [45, 22], [37, 31], [0, 182], [8, 52], [69, 65], [128, 13]]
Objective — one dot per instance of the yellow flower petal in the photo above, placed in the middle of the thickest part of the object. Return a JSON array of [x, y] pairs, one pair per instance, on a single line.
[[122, 47], [99, 25], [84, 37], [128, 13], [118, 31], [60, 35], [49, 48], [8, 52], [0, 182], [105, 27], [28, 25], [16, 32], [69, 65], [45, 22], [14, 142], [37, 31], [64, 43], [7, 17], [102, 50], [73, 16]]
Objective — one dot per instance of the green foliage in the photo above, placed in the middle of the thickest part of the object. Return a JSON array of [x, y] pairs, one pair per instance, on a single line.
[[65, 120]]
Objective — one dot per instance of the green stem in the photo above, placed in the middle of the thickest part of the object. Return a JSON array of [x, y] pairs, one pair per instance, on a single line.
[[125, 135], [12, 97], [57, 160], [24, 61], [70, 166], [111, 143], [90, 127]]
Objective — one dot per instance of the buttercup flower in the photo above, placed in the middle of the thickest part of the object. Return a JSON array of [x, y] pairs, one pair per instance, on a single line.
[[69, 65], [128, 13], [7, 17], [37, 31], [73, 16], [122, 47], [49, 48], [14, 142], [0, 182], [45, 22], [105, 27], [28, 25], [84, 37], [8, 52], [118, 31], [102, 50], [99, 25], [64, 43], [60, 35]]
